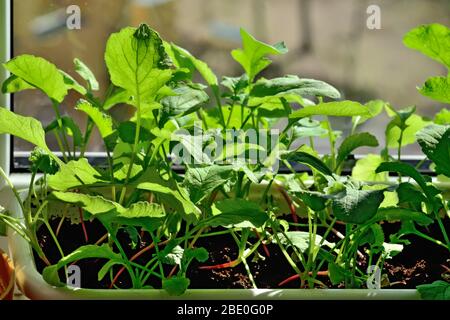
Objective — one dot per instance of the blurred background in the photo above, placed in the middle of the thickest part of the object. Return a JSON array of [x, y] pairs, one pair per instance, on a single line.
[[327, 39]]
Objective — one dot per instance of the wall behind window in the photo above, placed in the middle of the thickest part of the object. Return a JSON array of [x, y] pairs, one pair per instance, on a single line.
[[328, 40]]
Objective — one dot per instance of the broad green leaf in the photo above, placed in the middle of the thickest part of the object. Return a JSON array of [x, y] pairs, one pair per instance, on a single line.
[[74, 174], [404, 169], [86, 73], [413, 124], [375, 108], [438, 290], [335, 273], [127, 132], [357, 206], [437, 88], [39, 73], [141, 214], [435, 143], [137, 62], [50, 273], [145, 214], [171, 194], [95, 205], [374, 236], [301, 240], [15, 84], [393, 214], [189, 148], [72, 84], [203, 181], [410, 194], [187, 100], [118, 96], [353, 142], [70, 127], [364, 169], [336, 109], [183, 59], [237, 213], [253, 56], [314, 200], [433, 40], [310, 160], [176, 285], [442, 117], [294, 85], [102, 120], [25, 128]]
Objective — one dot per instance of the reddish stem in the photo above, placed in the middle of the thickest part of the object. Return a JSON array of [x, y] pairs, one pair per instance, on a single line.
[[290, 204], [296, 276], [230, 264], [86, 238], [266, 250]]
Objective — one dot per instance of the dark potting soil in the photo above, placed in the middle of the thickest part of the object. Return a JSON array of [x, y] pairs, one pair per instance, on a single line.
[[420, 262]]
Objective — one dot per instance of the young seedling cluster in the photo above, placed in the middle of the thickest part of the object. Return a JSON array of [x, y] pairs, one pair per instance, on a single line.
[[328, 226]]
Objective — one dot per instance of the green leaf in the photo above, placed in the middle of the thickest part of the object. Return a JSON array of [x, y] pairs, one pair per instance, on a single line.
[[437, 88], [405, 170], [301, 240], [413, 124], [237, 213], [315, 201], [50, 273], [70, 127], [15, 84], [187, 100], [95, 205], [171, 194], [74, 174], [183, 59], [353, 142], [39, 73], [253, 56], [442, 117], [203, 181], [337, 109], [137, 62], [25, 128], [364, 169], [335, 273], [393, 214], [86, 73], [310, 160], [145, 214], [438, 290], [102, 120], [408, 193], [375, 107], [433, 40], [176, 285], [72, 84], [118, 96], [293, 84], [357, 206], [435, 143]]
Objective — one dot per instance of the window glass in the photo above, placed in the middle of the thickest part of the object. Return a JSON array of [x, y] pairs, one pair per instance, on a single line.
[[328, 40]]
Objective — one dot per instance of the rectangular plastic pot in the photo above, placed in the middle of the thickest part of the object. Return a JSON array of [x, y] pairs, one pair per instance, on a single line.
[[32, 284]]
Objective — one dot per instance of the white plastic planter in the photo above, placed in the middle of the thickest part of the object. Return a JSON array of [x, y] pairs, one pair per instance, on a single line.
[[32, 284]]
